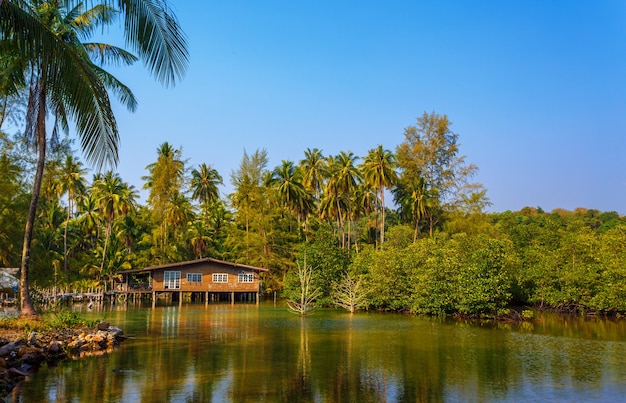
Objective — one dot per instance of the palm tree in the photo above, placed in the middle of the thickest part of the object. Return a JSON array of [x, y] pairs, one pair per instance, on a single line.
[[114, 198], [88, 218], [204, 186], [379, 171], [179, 212], [72, 183], [164, 180], [414, 200], [198, 238], [331, 204], [365, 199], [343, 178], [69, 86], [150, 29], [348, 177], [313, 166], [62, 72], [288, 181]]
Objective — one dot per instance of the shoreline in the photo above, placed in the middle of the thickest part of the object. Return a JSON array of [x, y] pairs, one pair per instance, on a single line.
[[22, 355]]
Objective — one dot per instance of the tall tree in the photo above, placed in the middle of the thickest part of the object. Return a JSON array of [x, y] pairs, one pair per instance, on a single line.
[[68, 85], [204, 186], [348, 178], [115, 198], [431, 151], [413, 200], [72, 183], [314, 171], [62, 72], [249, 196], [379, 171], [164, 180], [288, 181]]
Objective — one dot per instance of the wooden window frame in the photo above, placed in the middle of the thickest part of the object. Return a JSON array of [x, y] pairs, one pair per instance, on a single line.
[[246, 278], [171, 277]]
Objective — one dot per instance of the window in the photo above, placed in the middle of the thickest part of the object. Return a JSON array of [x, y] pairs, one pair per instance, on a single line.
[[171, 280], [220, 277], [194, 277], [246, 277]]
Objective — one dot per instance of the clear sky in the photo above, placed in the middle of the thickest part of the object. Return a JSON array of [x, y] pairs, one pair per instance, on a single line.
[[536, 90]]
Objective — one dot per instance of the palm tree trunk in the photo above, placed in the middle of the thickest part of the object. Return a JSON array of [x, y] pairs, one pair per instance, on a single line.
[[27, 309], [382, 210], [104, 250], [69, 206], [430, 225]]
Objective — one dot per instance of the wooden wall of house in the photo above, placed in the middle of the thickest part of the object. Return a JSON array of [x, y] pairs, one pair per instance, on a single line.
[[207, 270]]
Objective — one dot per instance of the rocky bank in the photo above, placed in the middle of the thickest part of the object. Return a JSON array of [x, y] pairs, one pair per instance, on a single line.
[[22, 357]]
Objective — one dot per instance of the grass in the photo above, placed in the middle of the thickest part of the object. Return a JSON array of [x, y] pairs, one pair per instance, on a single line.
[[14, 327]]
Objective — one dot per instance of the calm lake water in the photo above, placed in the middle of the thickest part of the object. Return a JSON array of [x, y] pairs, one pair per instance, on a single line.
[[249, 353]]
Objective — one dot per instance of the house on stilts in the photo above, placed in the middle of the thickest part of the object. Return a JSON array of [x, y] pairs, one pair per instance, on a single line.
[[204, 279]]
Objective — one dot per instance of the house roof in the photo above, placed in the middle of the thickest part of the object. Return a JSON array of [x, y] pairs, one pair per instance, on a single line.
[[192, 262]]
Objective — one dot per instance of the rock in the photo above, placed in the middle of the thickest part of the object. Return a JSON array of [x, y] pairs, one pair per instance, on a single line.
[[18, 372], [32, 339], [55, 347], [115, 331], [104, 326], [33, 358], [12, 347], [19, 359], [28, 350]]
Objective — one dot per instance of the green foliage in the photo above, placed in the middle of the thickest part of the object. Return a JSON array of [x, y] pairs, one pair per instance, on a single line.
[[64, 319], [440, 276], [474, 264], [387, 277], [484, 277], [329, 260]]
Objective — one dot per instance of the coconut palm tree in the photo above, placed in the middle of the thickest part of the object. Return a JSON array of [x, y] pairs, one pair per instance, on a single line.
[[72, 182], [313, 166], [348, 177], [149, 26], [164, 180], [179, 212], [379, 171], [204, 186], [115, 198], [414, 200], [332, 204], [365, 199], [64, 78], [68, 85], [288, 181]]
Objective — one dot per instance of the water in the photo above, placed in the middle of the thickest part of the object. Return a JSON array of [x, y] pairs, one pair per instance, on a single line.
[[249, 353]]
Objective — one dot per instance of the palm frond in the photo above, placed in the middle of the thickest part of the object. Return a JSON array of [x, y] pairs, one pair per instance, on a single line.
[[124, 94], [108, 54], [73, 80], [153, 32]]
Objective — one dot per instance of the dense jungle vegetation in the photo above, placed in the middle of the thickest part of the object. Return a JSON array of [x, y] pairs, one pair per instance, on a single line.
[[434, 249]]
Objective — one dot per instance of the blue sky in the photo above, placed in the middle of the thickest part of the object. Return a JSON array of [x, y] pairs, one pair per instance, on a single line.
[[536, 90]]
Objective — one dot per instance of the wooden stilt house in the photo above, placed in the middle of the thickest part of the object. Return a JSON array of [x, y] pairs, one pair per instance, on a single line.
[[208, 279]]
